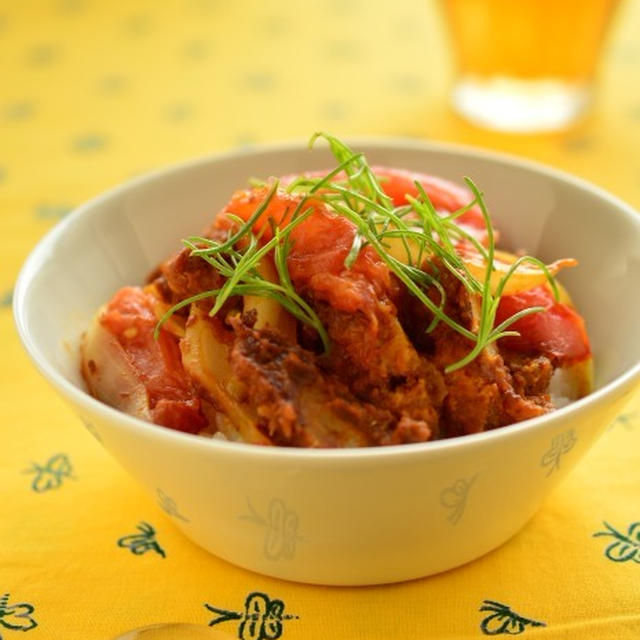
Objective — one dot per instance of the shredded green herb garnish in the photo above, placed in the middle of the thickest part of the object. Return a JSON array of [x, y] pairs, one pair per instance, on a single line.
[[353, 191], [240, 268]]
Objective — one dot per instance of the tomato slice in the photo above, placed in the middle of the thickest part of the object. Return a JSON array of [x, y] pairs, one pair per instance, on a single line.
[[558, 332], [444, 195], [320, 244], [129, 317]]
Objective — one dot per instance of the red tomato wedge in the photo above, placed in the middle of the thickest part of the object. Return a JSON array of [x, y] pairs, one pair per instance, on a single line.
[[129, 317], [558, 332], [444, 195], [320, 243]]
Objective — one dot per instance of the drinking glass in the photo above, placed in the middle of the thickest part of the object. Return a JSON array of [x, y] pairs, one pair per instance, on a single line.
[[526, 65]]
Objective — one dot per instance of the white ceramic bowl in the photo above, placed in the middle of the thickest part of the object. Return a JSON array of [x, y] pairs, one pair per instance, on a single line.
[[342, 517]]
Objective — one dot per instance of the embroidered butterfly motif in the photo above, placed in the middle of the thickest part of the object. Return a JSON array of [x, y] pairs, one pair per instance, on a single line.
[[503, 620], [139, 543], [262, 618], [52, 474], [16, 617], [625, 547], [626, 420]]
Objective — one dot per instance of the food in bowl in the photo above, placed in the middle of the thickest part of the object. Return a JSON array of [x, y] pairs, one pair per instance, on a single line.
[[356, 522], [359, 306]]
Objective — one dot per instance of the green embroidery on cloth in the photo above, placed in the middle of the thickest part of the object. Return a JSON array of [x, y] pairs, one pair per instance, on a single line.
[[43, 54], [6, 298], [179, 112], [21, 110], [502, 620], [625, 547], [196, 50], [138, 26], [52, 211], [70, 6], [16, 617], [139, 543], [52, 474], [113, 83], [626, 420], [89, 142], [262, 618], [260, 81]]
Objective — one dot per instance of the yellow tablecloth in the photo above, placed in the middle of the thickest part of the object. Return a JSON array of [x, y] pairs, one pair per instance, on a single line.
[[92, 93]]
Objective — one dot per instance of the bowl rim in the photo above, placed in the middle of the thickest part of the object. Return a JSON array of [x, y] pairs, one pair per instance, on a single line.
[[42, 250]]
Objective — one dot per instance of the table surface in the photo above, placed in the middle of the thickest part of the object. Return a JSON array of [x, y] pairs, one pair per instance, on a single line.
[[93, 93]]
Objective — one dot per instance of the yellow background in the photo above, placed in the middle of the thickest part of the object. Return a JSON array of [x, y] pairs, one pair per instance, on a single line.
[[93, 93]]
